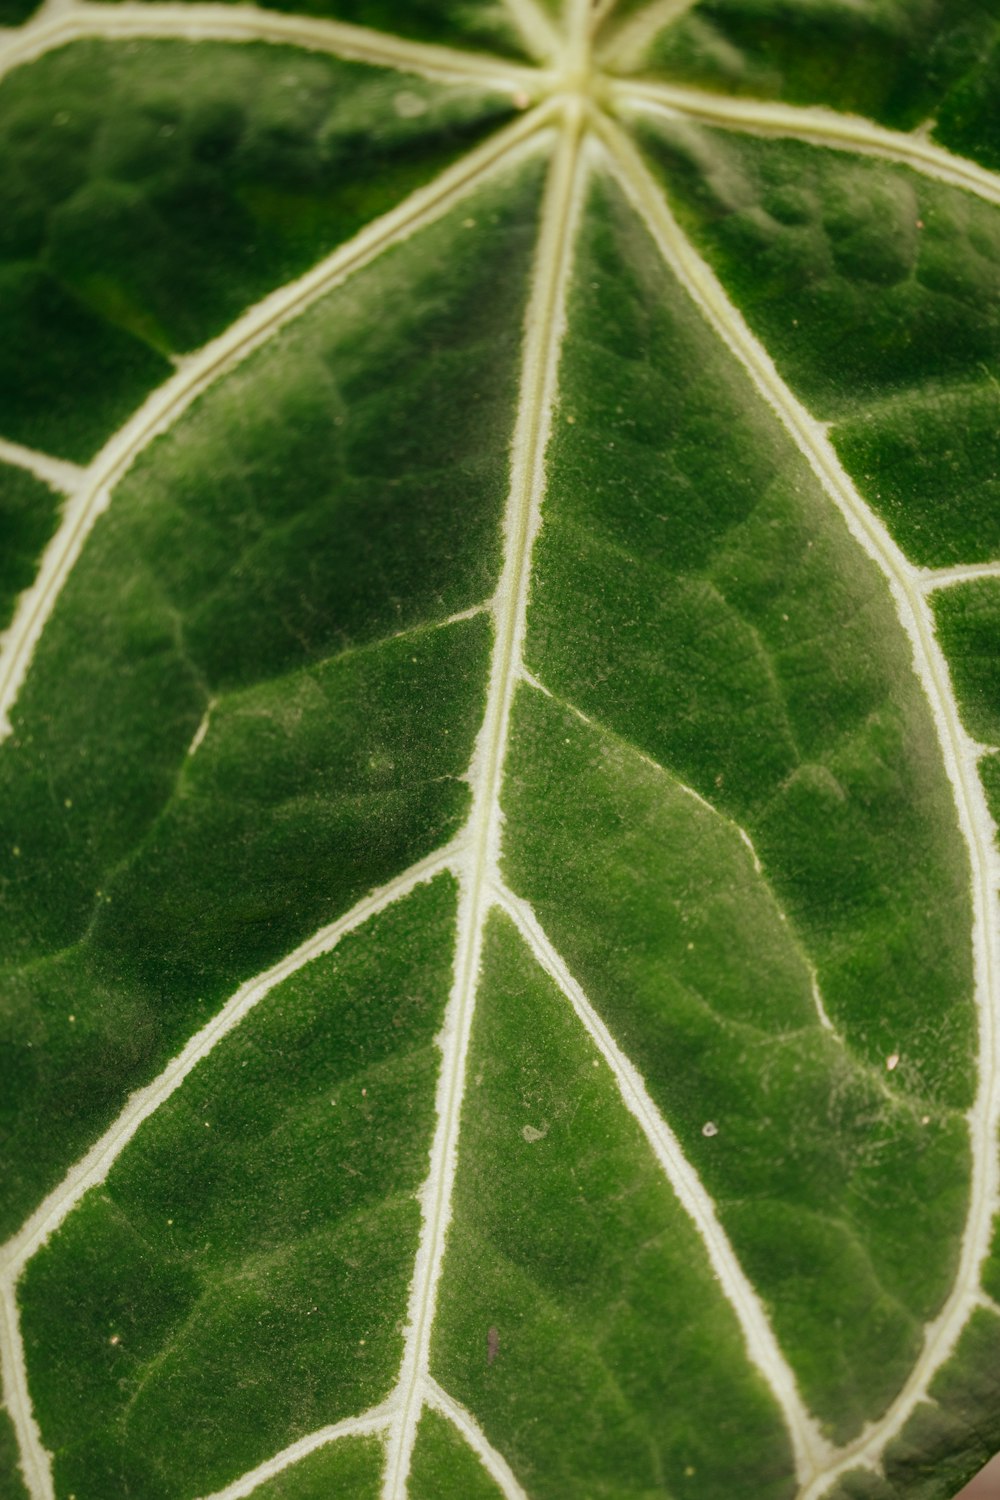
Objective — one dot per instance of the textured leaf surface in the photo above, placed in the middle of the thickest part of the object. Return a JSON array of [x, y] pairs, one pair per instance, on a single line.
[[498, 724]]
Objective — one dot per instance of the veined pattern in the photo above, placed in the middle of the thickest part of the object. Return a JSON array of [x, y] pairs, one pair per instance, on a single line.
[[572, 114]]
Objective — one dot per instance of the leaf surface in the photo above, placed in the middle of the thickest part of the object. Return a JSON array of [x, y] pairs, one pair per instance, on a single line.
[[500, 712]]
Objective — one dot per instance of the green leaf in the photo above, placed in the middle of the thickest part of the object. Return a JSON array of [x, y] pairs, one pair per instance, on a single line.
[[499, 744]]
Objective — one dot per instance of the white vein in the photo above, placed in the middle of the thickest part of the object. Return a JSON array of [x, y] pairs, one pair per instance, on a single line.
[[810, 1447], [535, 27], [929, 579], [46, 9], [59, 475], [648, 760], [544, 326], [576, 71], [168, 402], [602, 10], [942, 1334], [250, 23], [814, 126], [95, 1165], [17, 1398], [821, 1010], [198, 738], [420, 628], [476, 860], [626, 44], [374, 1421], [377, 1422], [817, 995], [493, 1462]]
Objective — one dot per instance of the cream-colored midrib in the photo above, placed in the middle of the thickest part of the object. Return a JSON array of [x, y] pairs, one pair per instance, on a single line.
[[544, 325]]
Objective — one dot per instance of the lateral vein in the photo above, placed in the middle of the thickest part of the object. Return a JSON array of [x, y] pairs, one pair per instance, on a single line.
[[929, 579], [35, 1466], [813, 125], [98, 1161], [371, 1422], [465, 1423], [92, 1168], [810, 1447], [536, 30], [958, 753], [544, 326], [625, 45], [57, 473], [648, 760], [250, 23], [169, 401], [602, 10], [822, 1015]]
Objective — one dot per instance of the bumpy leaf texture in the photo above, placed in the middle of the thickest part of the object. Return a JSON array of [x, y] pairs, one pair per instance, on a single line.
[[499, 704]]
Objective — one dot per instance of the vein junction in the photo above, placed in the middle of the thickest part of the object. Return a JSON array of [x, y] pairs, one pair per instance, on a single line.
[[571, 97]]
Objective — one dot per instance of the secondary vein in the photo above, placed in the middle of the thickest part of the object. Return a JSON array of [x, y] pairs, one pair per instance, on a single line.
[[958, 752], [814, 126], [223, 22], [170, 400], [811, 1448], [625, 44]]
